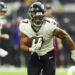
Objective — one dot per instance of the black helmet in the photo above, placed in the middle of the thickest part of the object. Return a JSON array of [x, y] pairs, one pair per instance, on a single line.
[[37, 9], [3, 7]]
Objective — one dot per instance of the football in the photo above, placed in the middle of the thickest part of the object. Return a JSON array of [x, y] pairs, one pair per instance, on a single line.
[[30, 40]]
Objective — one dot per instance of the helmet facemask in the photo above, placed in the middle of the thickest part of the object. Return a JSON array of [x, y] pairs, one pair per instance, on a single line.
[[38, 20], [37, 14]]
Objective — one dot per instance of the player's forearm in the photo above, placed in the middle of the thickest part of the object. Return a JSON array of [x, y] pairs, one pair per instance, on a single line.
[[71, 45], [24, 48], [70, 42], [64, 35]]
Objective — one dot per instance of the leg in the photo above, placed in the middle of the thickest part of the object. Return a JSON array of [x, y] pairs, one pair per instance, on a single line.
[[34, 67], [49, 64]]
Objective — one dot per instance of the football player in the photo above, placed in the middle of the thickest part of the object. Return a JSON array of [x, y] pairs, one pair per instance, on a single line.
[[43, 55], [3, 53]]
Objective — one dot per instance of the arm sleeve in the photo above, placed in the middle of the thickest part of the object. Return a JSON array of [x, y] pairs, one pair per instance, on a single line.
[[22, 27], [52, 27]]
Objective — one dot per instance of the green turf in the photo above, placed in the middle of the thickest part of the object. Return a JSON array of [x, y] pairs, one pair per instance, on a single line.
[[13, 73], [23, 73], [63, 73]]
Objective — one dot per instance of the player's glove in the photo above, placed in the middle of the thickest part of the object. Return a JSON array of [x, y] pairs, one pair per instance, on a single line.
[[73, 54], [36, 46], [3, 53]]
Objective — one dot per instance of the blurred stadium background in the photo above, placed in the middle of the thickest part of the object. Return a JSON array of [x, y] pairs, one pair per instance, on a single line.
[[16, 62]]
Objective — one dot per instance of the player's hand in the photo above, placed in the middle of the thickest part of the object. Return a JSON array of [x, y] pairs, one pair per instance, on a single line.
[[73, 55], [36, 46], [6, 36], [3, 53]]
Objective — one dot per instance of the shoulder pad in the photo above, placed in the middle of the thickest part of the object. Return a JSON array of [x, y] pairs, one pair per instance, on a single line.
[[51, 20]]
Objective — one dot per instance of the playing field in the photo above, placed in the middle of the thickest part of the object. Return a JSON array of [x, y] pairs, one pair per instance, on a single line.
[[23, 71]]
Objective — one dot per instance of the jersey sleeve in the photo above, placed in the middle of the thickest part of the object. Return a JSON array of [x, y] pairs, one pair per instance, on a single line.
[[22, 27], [53, 21], [52, 27]]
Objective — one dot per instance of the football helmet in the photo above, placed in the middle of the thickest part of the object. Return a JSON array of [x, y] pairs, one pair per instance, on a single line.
[[37, 11], [3, 7]]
